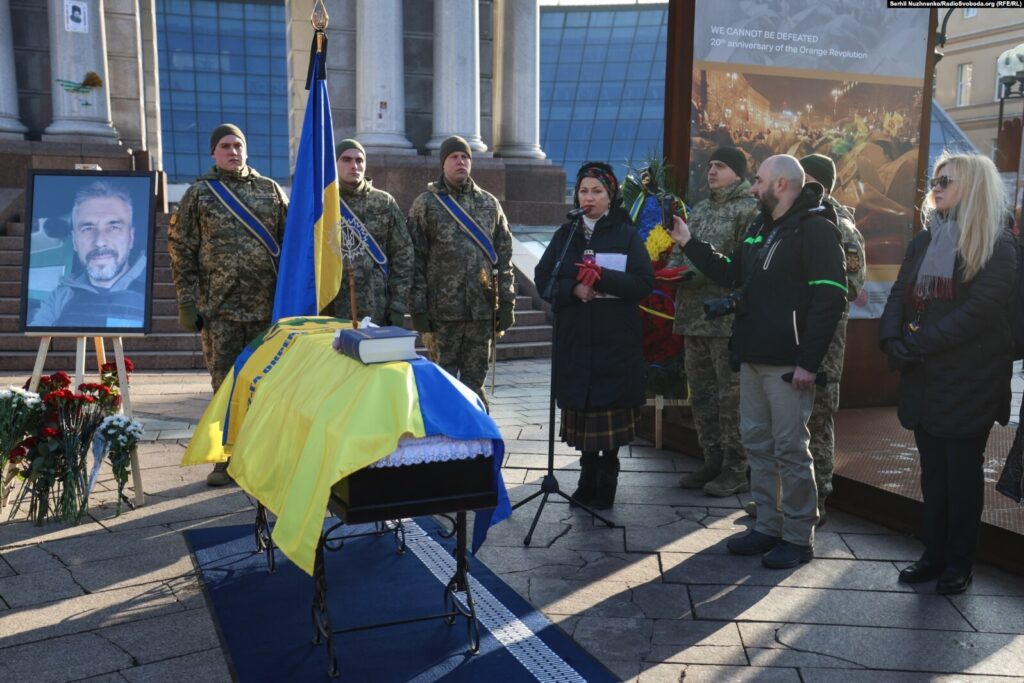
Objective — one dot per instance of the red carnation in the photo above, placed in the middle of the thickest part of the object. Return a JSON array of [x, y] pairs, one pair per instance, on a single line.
[[49, 433]]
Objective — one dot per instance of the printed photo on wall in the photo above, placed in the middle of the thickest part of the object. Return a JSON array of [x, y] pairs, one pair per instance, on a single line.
[[76, 16], [88, 253]]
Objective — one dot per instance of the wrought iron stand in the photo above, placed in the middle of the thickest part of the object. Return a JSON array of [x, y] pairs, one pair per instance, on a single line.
[[454, 607]]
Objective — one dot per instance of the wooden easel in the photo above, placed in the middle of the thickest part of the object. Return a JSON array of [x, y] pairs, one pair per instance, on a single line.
[[122, 377], [660, 403]]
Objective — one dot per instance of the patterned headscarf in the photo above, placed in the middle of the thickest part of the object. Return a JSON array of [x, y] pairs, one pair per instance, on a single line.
[[604, 174]]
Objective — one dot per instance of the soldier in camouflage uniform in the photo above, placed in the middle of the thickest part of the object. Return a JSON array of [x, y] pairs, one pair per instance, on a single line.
[[460, 299], [721, 220], [224, 275], [821, 169], [382, 295]]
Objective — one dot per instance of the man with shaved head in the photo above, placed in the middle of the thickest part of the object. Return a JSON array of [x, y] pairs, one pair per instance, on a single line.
[[789, 281]]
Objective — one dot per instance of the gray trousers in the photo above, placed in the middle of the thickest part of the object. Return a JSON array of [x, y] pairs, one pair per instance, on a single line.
[[773, 427]]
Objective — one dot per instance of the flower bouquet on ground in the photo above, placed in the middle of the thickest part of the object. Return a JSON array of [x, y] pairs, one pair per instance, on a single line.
[[647, 200], [118, 438], [78, 416], [52, 460], [20, 414]]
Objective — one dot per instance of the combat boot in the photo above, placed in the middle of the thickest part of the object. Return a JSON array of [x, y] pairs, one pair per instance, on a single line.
[[219, 476], [732, 479], [711, 468], [607, 482], [587, 485]]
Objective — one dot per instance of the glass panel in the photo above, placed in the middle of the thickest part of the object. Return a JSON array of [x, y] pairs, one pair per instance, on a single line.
[[551, 19], [204, 8], [602, 18], [576, 18], [652, 17], [626, 18], [231, 10], [256, 11]]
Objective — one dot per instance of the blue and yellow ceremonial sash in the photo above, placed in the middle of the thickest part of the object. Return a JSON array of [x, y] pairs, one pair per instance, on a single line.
[[372, 248], [468, 225], [242, 212]]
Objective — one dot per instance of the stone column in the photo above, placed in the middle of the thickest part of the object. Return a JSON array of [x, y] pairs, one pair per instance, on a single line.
[[380, 77], [80, 113], [10, 123], [516, 103], [457, 73]]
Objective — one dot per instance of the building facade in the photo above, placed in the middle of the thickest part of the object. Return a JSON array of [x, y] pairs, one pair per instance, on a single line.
[[403, 75], [966, 83]]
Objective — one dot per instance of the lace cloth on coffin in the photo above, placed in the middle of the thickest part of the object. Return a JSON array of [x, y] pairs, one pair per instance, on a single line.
[[413, 451]]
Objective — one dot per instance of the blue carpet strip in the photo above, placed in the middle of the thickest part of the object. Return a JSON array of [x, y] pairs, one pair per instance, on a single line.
[[518, 636]]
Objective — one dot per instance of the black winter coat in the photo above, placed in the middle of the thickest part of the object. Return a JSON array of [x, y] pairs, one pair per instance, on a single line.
[[598, 352], [792, 273], [963, 384]]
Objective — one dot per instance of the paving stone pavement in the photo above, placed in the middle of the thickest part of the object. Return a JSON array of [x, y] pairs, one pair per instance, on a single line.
[[656, 598]]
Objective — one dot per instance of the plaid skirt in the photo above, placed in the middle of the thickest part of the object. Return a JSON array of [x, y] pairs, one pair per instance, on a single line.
[[598, 430]]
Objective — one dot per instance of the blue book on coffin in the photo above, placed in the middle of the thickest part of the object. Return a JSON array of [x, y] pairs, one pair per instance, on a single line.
[[376, 344]]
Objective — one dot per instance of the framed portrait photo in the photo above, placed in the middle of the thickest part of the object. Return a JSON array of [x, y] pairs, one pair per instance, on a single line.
[[88, 254]]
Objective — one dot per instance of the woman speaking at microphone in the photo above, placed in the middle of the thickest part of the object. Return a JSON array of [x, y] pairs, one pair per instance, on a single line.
[[603, 273]]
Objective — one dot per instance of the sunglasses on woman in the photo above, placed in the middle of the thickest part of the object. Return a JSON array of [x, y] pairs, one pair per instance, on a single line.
[[942, 181]]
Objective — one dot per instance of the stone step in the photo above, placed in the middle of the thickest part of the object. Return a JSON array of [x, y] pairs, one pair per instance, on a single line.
[[63, 356], [163, 325]]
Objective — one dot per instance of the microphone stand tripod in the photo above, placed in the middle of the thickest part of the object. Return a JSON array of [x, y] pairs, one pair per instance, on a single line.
[[549, 485]]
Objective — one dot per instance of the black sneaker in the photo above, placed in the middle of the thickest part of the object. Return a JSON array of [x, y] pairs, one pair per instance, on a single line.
[[786, 555], [752, 543]]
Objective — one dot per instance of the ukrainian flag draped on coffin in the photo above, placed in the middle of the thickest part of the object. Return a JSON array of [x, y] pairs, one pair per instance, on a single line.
[[309, 275], [303, 416]]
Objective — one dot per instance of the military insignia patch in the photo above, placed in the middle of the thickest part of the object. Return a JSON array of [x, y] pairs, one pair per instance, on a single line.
[[852, 258]]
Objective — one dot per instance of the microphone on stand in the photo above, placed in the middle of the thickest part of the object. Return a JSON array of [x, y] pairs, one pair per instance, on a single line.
[[575, 213]]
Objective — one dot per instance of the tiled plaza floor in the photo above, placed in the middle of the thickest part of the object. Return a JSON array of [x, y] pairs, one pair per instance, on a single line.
[[656, 598]]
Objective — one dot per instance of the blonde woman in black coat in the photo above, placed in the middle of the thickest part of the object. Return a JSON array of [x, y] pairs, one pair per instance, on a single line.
[[946, 328]]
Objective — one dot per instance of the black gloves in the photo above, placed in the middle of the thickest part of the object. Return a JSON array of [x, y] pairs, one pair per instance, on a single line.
[[506, 316], [901, 354], [421, 323], [189, 318]]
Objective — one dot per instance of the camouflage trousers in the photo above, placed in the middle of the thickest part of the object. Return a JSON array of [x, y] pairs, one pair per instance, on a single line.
[[463, 349], [223, 340], [715, 401], [823, 437]]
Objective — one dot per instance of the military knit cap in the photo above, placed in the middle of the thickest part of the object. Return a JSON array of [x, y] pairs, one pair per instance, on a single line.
[[348, 143], [731, 157], [822, 168], [455, 144], [225, 129]]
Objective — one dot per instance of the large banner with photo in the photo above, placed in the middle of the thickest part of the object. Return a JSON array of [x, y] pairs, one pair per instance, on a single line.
[[832, 77]]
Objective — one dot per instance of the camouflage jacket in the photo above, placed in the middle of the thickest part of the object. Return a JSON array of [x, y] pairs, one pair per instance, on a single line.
[[453, 279], [216, 261], [385, 299], [853, 246], [856, 265], [720, 220]]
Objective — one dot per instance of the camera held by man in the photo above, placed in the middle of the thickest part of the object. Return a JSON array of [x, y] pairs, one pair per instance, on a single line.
[[733, 302]]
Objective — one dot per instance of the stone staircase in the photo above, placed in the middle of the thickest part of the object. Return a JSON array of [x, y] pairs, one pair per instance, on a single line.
[[167, 347]]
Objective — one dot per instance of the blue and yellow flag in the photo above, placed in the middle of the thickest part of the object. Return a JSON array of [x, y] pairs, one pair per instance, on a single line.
[[303, 417], [309, 275]]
